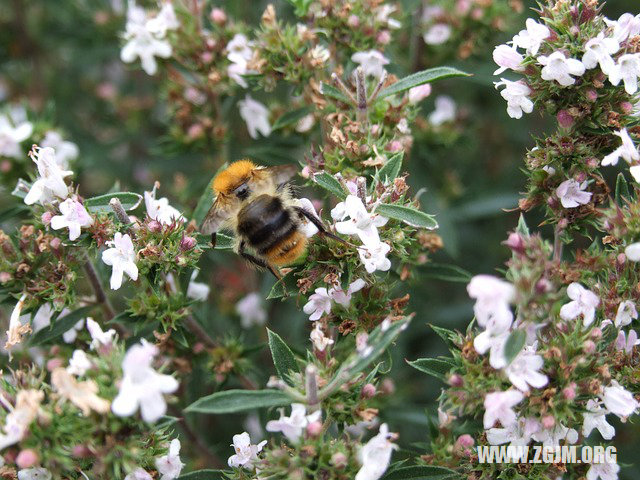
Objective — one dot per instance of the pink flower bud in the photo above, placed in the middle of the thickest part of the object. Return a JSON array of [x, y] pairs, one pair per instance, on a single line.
[[368, 391], [195, 131], [54, 363], [592, 162], [515, 242], [46, 217], [548, 422], [206, 57], [353, 21], [187, 243], [27, 458], [218, 16], [627, 107], [589, 347], [339, 460], [5, 166], [592, 95], [394, 146], [384, 37], [456, 380], [563, 223], [477, 13], [565, 120], [419, 93], [80, 451], [154, 226], [465, 441], [306, 172], [198, 348], [463, 6], [314, 429], [5, 277], [569, 392], [543, 286], [621, 259], [596, 333]]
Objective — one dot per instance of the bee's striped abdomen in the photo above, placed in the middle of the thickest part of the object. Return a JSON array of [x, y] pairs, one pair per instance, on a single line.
[[264, 222]]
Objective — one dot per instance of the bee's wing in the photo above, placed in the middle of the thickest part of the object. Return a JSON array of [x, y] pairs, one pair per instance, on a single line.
[[214, 219], [282, 173]]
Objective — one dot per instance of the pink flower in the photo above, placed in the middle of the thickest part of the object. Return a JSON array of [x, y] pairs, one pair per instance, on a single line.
[[572, 194], [499, 407]]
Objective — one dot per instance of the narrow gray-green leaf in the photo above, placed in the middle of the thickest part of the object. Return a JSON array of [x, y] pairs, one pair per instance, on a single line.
[[420, 78], [329, 90], [422, 472], [223, 242], [282, 355], [100, 204], [408, 215], [204, 475], [331, 184], [391, 169], [292, 117], [233, 401], [622, 189], [435, 367], [204, 203], [448, 273], [514, 344], [522, 227], [59, 326]]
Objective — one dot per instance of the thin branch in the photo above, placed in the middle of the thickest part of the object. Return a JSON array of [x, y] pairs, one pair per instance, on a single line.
[[338, 81], [557, 244], [96, 284], [118, 209], [379, 86], [311, 387]]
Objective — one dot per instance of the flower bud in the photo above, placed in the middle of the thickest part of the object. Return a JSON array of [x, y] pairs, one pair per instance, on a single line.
[[353, 21], [187, 243], [596, 333], [621, 259], [27, 458], [388, 387], [515, 242], [465, 441], [5, 166], [368, 391], [339, 460], [80, 451], [54, 363], [314, 429], [5, 277], [569, 392], [218, 16], [592, 95], [543, 286], [588, 346], [384, 37], [206, 57], [195, 131], [565, 120], [154, 226], [46, 217], [627, 107], [55, 243], [394, 146], [456, 380], [548, 422]]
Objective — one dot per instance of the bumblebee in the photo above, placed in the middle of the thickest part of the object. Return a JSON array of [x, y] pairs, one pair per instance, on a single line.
[[257, 204]]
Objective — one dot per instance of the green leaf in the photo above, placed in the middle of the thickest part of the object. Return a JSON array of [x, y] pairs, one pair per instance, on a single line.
[[282, 355], [522, 227], [204, 202], [223, 242], [302, 6], [100, 204], [514, 344], [445, 334], [13, 212], [408, 215], [204, 475], [329, 90], [622, 189], [282, 288], [391, 169], [422, 472], [436, 367], [331, 184], [233, 401], [291, 117], [448, 273], [21, 189], [59, 326], [420, 78]]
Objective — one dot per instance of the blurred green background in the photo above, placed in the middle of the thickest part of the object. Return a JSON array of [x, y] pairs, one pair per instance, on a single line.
[[61, 60]]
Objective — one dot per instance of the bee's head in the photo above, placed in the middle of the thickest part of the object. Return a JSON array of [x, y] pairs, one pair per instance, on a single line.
[[233, 181]]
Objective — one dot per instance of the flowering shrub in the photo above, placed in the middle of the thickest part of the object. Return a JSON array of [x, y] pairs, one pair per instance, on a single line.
[[122, 361]]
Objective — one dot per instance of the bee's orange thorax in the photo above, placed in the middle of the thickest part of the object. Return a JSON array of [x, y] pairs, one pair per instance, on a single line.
[[231, 177]]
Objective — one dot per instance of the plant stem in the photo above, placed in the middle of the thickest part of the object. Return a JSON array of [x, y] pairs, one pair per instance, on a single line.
[[118, 209], [311, 387], [557, 244], [96, 284]]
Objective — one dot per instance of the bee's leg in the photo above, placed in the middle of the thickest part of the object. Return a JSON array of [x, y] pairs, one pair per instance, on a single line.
[[214, 238], [319, 225], [257, 261]]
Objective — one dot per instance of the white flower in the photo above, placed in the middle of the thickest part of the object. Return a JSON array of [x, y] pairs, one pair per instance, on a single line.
[[371, 61], [517, 434], [16, 329], [584, 302], [65, 151], [246, 453], [445, 111], [627, 69], [517, 96], [343, 298], [419, 93], [145, 39], [138, 474], [552, 437], [375, 455], [626, 26], [572, 194], [73, 216], [239, 49], [305, 124], [560, 68], [523, 370], [169, 466], [494, 343], [493, 296], [437, 34], [531, 38], [99, 338], [596, 418], [318, 338], [603, 471], [374, 257], [197, 290], [12, 134], [626, 313], [293, 426], [256, 116], [17, 422], [632, 252], [618, 400], [382, 16], [627, 344], [43, 317], [164, 20], [79, 363], [122, 259], [319, 54], [159, 209], [38, 473], [236, 72], [307, 227], [598, 51], [50, 184], [319, 304], [142, 386], [499, 407], [251, 310], [627, 150], [507, 58], [361, 222]]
